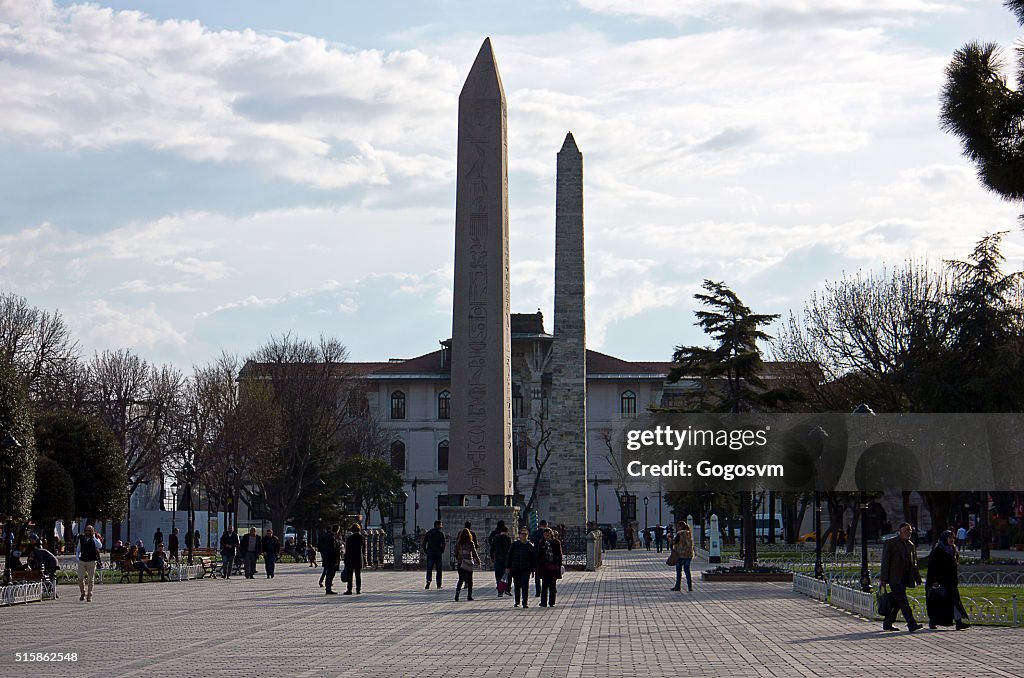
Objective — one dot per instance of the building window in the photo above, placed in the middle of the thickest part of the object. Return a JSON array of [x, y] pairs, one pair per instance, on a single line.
[[627, 404], [520, 450], [398, 455], [444, 405], [442, 456], [517, 402], [397, 405]]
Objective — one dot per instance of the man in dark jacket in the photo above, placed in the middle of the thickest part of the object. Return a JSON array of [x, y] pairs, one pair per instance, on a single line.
[[434, 544], [537, 537], [522, 560], [499, 553], [251, 548], [271, 548], [172, 544], [329, 556], [228, 546], [899, 571]]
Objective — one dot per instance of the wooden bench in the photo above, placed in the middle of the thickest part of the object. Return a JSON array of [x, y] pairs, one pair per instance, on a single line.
[[32, 576], [127, 568]]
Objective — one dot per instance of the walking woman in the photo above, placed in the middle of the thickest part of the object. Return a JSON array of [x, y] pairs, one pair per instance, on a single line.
[[467, 560], [942, 593], [355, 548], [549, 567], [682, 547], [522, 560]]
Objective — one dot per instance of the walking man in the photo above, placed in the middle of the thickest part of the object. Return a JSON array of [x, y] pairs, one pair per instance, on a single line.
[[172, 544], [271, 549], [500, 546], [537, 537], [228, 546], [899, 571], [659, 536], [158, 538], [87, 552], [251, 547], [434, 544], [330, 555]]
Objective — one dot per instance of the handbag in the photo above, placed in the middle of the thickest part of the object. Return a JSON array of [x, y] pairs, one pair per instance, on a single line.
[[552, 568], [504, 582], [346, 574], [673, 558], [885, 605], [937, 591]]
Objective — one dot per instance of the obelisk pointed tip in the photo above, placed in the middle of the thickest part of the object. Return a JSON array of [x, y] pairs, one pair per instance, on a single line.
[[569, 144], [483, 81]]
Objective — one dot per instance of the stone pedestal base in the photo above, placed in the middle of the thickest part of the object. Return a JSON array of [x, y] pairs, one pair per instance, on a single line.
[[483, 518]]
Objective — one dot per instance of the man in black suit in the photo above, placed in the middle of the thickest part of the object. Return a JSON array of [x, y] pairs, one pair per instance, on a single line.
[[329, 556]]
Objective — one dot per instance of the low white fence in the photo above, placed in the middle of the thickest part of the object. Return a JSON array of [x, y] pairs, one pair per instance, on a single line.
[[1004, 611], [21, 593]]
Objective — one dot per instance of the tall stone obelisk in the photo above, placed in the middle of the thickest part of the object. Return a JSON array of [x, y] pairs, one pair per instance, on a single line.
[[480, 462], [568, 405]]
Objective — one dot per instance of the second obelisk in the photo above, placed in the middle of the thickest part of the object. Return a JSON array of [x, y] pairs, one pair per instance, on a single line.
[[480, 465]]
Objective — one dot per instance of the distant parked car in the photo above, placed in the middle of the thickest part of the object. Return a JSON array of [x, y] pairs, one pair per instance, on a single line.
[[810, 536]]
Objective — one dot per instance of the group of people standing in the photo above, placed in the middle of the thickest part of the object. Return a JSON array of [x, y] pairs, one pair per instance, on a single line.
[[249, 548], [539, 554], [337, 549], [942, 594]]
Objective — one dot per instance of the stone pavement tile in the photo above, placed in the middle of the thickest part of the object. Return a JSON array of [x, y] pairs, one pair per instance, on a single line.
[[621, 621]]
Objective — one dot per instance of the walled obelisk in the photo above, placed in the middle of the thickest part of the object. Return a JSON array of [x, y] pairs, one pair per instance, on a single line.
[[568, 409], [480, 462]]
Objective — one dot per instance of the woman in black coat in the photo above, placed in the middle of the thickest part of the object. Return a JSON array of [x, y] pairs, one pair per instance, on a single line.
[[942, 585], [355, 546], [549, 567]]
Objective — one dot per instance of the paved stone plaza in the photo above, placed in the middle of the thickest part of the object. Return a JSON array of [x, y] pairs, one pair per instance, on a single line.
[[621, 621]]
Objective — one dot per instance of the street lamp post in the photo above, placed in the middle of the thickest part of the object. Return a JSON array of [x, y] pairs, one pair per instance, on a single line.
[[415, 507], [174, 505], [865, 575], [597, 506], [9, 443], [189, 472], [819, 568], [646, 520]]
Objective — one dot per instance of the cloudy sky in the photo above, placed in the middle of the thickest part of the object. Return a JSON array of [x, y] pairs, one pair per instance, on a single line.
[[190, 177]]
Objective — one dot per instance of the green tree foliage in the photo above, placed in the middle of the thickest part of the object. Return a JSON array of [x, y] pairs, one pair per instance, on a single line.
[[88, 451], [17, 461], [55, 493], [372, 483], [987, 115], [730, 371]]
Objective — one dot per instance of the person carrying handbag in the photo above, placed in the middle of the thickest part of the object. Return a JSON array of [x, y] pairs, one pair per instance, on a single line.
[[682, 551], [467, 559], [549, 567]]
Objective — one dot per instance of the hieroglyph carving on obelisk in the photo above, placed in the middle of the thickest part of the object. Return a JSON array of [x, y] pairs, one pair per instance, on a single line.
[[480, 460]]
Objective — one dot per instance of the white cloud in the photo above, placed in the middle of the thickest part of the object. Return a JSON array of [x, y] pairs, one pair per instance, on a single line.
[[98, 323]]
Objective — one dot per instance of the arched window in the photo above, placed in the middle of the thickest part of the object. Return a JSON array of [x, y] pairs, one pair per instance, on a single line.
[[444, 405], [442, 455], [627, 404], [397, 405], [398, 455]]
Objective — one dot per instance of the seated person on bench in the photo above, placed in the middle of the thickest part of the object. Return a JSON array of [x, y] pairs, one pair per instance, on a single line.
[[159, 561], [42, 560]]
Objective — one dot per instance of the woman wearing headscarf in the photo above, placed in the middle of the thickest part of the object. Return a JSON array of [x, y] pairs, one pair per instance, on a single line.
[[942, 594], [467, 559]]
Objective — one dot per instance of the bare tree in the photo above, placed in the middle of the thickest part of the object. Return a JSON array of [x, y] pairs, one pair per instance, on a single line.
[[537, 441], [137, 401], [314, 400], [38, 345]]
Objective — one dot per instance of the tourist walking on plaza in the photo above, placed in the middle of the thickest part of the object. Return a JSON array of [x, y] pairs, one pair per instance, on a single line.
[[537, 537], [251, 546], [228, 547], [330, 557], [434, 544], [647, 538], [158, 538], [87, 553], [522, 560], [899, 571], [942, 592], [682, 549], [466, 560], [630, 535], [271, 549], [549, 567], [659, 536], [499, 554], [172, 544], [961, 538], [355, 553]]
